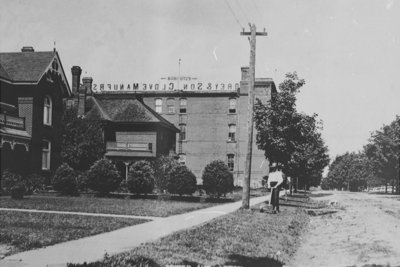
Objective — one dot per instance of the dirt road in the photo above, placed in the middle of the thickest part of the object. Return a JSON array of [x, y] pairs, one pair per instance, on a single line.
[[365, 231]]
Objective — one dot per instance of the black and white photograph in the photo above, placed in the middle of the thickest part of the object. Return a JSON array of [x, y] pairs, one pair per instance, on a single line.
[[241, 133]]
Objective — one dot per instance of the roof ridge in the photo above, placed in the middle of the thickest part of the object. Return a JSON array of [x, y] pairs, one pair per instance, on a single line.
[[103, 113]]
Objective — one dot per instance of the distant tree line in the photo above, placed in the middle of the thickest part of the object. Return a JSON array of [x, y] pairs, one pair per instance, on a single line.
[[376, 165], [291, 138]]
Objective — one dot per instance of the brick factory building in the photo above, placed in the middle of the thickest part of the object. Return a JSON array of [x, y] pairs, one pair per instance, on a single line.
[[212, 121]]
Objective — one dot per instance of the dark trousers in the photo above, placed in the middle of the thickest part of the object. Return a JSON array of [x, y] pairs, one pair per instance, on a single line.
[[275, 198]]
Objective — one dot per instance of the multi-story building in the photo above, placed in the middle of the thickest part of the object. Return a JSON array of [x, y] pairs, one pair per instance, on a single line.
[[212, 122], [33, 85]]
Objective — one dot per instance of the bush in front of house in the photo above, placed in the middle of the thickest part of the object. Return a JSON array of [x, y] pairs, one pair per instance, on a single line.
[[103, 177], [64, 180], [162, 167], [140, 178], [12, 184], [181, 181], [34, 182], [217, 179]]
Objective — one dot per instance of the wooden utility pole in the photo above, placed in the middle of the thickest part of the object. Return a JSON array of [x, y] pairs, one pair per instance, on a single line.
[[250, 119]]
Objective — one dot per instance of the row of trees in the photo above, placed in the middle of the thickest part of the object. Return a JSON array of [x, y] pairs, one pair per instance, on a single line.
[[289, 137], [377, 164]]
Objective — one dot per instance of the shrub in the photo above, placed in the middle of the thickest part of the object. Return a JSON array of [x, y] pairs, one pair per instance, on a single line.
[[140, 178], [34, 182], [9, 180], [64, 180], [217, 179], [162, 166], [17, 191], [181, 181], [103, 177]]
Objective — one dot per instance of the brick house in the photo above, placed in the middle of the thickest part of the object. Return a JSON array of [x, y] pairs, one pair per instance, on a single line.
[[33, 86], [132, 131]]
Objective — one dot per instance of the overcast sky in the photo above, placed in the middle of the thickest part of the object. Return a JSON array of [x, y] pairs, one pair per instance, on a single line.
[[347, 51]]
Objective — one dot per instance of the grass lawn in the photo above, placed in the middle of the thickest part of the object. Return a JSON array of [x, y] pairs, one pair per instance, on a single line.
[[141, 207], [25, 230], [242, 238]]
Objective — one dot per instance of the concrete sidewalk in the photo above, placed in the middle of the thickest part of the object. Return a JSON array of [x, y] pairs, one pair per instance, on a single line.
[[93, 248]]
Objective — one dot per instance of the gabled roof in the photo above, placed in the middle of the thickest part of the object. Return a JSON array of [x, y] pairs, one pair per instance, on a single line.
[[125, 110], [29, 67]]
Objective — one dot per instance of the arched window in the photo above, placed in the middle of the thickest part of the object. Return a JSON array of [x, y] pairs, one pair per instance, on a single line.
[[232, 132], [171, 106], [182, 105], [232, 105], [158, 105], [47, 110]]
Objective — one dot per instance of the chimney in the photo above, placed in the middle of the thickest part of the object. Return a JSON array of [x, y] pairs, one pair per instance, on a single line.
[[245, 73], [76, 79], [27, 49], [86, 87]]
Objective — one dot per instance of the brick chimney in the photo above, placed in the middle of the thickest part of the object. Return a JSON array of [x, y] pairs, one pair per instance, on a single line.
[[27, 49], [244, 82], [76, 79], [245, 73], [83, 90]]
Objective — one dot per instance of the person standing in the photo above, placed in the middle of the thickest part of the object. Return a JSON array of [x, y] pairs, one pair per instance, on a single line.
[[275, 181]]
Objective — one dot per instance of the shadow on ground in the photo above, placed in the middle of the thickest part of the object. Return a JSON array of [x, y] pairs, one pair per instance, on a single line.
[[321, 195], [240, 260]]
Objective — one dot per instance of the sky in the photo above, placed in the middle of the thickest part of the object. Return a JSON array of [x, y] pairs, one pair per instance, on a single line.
[[348, 51]]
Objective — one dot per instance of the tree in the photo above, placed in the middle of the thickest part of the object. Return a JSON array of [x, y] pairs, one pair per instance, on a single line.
[[141, 178], [181, 181], [278, 123], [162, 167], [289, 137], [217, 179], [82, 141], [383, 151], [348, 171]]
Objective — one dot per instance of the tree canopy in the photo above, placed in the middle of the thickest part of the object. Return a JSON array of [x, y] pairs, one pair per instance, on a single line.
[[82, 141], [289, 137]]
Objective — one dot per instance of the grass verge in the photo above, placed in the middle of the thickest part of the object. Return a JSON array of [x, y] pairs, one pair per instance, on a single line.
[[25, 231], [140, 207], [242, 238]]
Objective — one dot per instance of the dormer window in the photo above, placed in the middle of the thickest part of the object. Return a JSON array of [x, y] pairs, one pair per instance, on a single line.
[[47, 110]]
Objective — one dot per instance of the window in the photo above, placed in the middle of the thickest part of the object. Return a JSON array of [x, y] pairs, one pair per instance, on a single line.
[[46, 150], [182, 105], [231, 162], [171, 106], [158, 105], [232, 105], [232, 132], [47, 110], [182, 134]]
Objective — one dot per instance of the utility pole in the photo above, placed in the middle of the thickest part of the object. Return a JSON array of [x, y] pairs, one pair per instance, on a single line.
[[250, 119]]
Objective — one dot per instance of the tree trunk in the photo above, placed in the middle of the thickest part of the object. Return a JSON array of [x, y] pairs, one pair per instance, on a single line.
[[386, 188]]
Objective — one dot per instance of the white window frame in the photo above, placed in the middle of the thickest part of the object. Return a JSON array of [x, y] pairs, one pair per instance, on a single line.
[[46, 164], [181, 100], [158, 105], [170, 105], [232, 138], [47, 110]]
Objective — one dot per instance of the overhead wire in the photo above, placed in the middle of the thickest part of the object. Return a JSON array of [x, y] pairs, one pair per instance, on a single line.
[[233, 14], [244, 13]]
